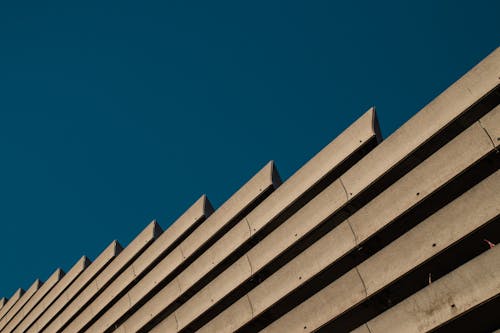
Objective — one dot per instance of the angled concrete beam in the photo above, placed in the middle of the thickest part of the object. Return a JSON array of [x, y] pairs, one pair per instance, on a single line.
[[3, 300], [424, 125], [426, 178], [468, 213], [192, 218], [7, 316], [254, 190], [343, 148], [456, 293], [76, 287], [43, 288], [29, 314], [137, 246], [12, 300]]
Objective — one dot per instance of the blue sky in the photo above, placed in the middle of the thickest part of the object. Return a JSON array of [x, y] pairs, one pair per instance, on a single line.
[[116, 113]]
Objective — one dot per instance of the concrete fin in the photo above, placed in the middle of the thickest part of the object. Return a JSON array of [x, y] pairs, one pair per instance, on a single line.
[[120, 263], [445, 299], [51, 313], [182, 227], [308, 176], [30, 314], [233, 210]]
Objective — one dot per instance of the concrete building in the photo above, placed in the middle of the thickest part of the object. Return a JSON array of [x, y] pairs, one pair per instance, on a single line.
[[370, 236]]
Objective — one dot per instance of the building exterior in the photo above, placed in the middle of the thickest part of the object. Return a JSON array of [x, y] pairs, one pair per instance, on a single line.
[[370, 235]]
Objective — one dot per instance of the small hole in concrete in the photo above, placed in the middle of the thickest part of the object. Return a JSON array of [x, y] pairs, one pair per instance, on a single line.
[[453, 305], [295, 235], [434, 244], [305, 327], [300, 277], [418, 193]]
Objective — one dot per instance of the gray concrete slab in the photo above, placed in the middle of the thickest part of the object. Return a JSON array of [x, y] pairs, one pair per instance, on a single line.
[[10, 303], [76, 287], [363, 130], [38, 295], [7, 316], [28, 315], [460, 291], [197, 213], [264, 181], [142, 241], [404, 140], [397, 199], [450, 104], [441, 230]]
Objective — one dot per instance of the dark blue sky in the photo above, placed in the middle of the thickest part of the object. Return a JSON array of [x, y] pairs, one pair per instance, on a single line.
[[114, 114]]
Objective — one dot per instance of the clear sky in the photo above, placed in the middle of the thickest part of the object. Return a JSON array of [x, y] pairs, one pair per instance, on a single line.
[[113, 114]]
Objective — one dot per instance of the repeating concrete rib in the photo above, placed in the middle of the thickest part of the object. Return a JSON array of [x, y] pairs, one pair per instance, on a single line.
[[256, 188], [471, 211], [136, 247], [361, 132], [37, 295], [192, 218], [75, 288], [468, 286], [10, 303], [450, 104], [320, 208], [20, 303], [3, 300], [27, 315]]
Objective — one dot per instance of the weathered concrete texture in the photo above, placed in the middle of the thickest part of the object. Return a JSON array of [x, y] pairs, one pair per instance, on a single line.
[[264, 181], [3, 300], [198, 212], [142, 241], [450, 104], [76, 287], [478, 205], [449, 225], [424, 179], [20, 303], [328, 159], [28, 315], [468, 286], [38, 294]]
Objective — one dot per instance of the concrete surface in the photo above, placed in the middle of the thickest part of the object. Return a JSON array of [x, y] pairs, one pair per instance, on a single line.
[[468, 286], [28, 315], [343, 146], [397, 199], [76, 287], [197, 213], [264, 181]]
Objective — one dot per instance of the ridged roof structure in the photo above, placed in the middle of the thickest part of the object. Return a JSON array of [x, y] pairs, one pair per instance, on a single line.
[[370, 236]]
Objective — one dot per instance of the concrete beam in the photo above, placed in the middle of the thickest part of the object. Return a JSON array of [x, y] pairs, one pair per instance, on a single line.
[[3, 300], [192, 218], [343, 148], [76, 287], [424, 125], [458, 292], [28, 315], [429, 121], [7, 316], [254, 190], [40, 292], [461, 217], [10, 303], [425, 179], [137, 246]]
